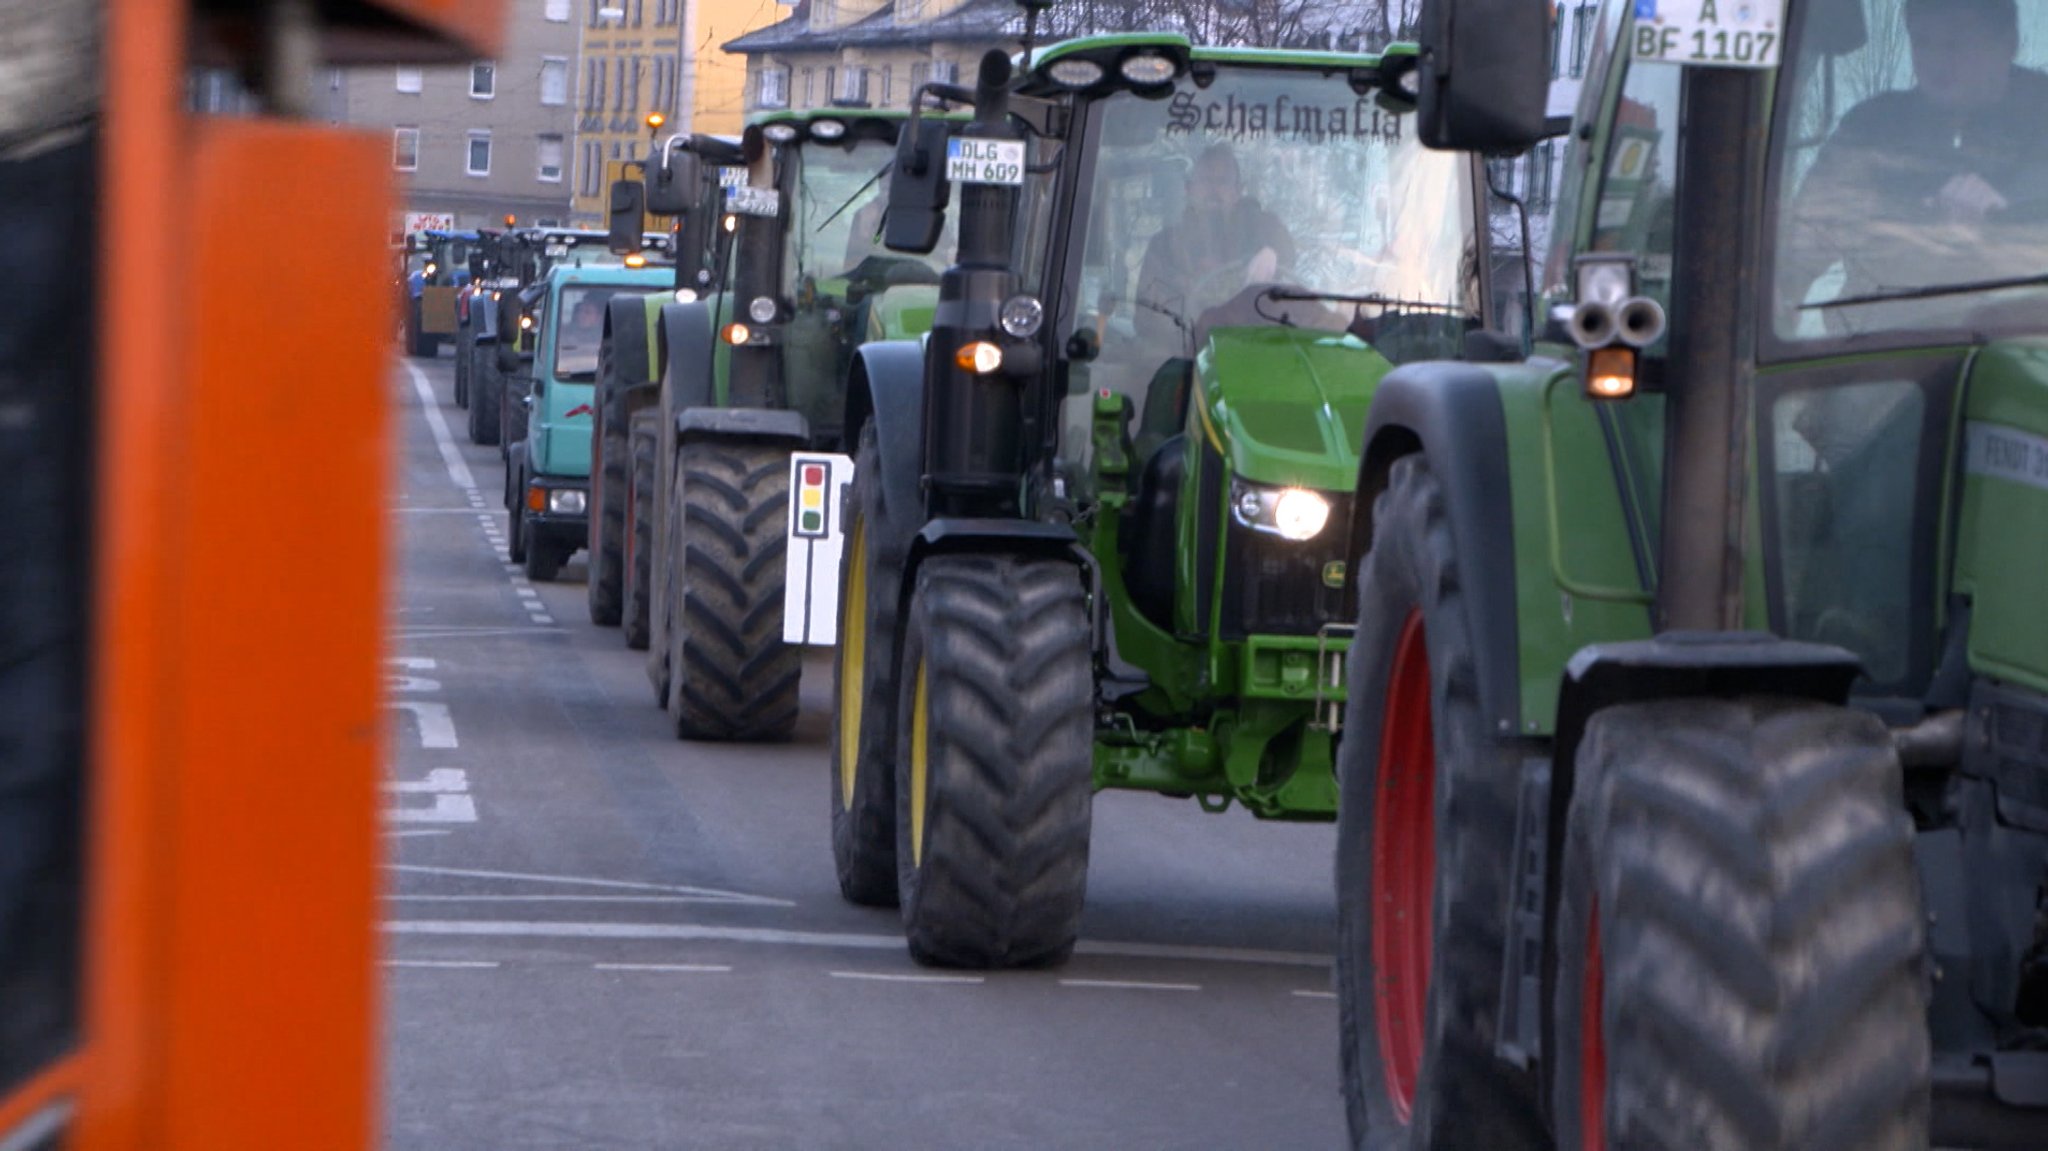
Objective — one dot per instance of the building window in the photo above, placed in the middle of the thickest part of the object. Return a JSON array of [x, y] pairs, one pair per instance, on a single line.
[[594, 83], [554, 81], [410, 80], [483, 81], [405, 149], [593, 164], [633, 94], [1582, 35], [619, 88], [945, 71], [1556, 39], [807, 87], [888, 85], [774, 89], [557, 11], [920, 75], [548, 157], [853, 87], [831, 84], [479, 153]]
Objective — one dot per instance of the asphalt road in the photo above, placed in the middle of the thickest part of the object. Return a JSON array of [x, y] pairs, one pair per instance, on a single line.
[[601, 937]]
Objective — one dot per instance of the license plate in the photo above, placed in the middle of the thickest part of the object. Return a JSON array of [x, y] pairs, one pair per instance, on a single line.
[[972, 160], [1709, 33], [750, 201]]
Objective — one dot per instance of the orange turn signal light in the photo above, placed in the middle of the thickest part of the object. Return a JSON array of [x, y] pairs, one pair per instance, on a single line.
[[979, 357], [1611, 373], [737, 334], [536, 500]]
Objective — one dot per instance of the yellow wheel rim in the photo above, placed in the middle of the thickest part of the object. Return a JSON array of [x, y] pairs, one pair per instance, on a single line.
[[853, 647], [920, 770]]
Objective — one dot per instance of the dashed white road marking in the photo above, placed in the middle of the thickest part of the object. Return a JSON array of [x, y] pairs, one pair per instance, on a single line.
[[441, 780], [441, 963], [559, 899], [610, 884], [1129, 985], [693, 968], [1315, 994], [458, 468], [410, 832], [412, 662], [469, 632], [1201, 954], [903, 977], [544, 620], [447, 809], [437, 727]]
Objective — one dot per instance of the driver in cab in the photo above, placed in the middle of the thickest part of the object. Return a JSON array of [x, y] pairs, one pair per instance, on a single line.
[[1928, 172], [1223, 241]]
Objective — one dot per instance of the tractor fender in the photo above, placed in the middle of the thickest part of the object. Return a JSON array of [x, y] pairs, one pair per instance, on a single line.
[[1452, 413], [626, 327], [686, 349], [886, 387], [957, 535], [758, 424]]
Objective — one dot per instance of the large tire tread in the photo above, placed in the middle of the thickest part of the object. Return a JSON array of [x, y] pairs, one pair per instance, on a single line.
[[1761, 929], [864, 830], [1010, 719], [609, 459], [639, 539], [731, 676]]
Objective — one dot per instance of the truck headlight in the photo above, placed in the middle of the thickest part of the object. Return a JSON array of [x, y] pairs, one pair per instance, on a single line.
[[1290, 513], [565, 502]]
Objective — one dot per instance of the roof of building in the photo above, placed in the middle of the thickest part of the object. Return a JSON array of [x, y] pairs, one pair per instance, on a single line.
[[974, 21]]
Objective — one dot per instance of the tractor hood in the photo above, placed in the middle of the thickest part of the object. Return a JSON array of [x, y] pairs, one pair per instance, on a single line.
[[1287, 405]]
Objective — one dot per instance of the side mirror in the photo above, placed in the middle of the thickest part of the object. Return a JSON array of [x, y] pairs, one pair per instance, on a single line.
[[673, 187], [918, 189], [1483, 82], [628, 216]]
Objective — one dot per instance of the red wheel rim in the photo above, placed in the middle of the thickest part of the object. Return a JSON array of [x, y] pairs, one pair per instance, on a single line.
[[1592, 1045], [1404, 867]]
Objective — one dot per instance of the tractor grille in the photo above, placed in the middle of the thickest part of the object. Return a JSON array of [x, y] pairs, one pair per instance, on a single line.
[[1273, 586]]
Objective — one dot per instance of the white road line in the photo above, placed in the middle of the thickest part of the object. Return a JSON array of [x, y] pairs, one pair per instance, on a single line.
[[1315, 994], [437, 727], [1129, 985], [440, 963], [433, 511], [447, 809], [411, 662], [581, 881], [409, 832], [704, 968], [544, 620], [439, 780], [526, 592], [720, 899], [1201, 954], [421, 634], [458, 468], [899, 977]]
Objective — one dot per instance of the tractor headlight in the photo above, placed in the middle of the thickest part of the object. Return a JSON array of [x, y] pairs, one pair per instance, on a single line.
[[565, 502], [780, 133], [1021, 316], [686, 296], [1147, 69], [1075, 73], [1290, 513], [761, 310], [828, 129]]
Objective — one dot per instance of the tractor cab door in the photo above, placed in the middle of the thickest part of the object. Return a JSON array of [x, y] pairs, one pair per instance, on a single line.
[[186, 959]]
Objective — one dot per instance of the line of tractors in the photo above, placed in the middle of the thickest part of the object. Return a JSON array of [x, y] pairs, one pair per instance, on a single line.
[[1145, 415]]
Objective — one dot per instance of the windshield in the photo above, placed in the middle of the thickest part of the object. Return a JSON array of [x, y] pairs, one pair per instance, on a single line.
[[841, 193], [1265, 177], [1910, 175], [580, 331]]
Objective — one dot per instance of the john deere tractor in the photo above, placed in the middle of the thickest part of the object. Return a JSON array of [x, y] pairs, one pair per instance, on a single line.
[[1695, 770], [748, 375], [684, 181], [1095, 536]]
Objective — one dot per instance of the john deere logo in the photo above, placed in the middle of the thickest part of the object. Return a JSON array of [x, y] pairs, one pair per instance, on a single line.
[[1333, 574]]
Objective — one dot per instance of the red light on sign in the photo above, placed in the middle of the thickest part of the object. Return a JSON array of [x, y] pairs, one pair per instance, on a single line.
[[814, 475]]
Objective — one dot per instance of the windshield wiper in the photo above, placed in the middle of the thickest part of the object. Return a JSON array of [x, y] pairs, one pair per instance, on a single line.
[[1929, 292], [857, 193], [1308, 295]]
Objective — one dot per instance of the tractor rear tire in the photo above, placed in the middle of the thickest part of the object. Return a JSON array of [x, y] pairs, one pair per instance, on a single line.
[[639, 509], [864, 693], [609, 460], [484, 402], [512, 413], [465, 351], [418, 344], [994, 762], [1740, 934], [730, 675], [1425, 820]]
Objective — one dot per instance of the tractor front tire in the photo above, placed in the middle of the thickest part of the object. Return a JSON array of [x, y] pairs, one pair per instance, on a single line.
[[1425, 819], [864, 693], [484, 401], [1740, 934], [994, 762], [418, 344], [606, 543], [731, 677], [465, 350], [639, 541]]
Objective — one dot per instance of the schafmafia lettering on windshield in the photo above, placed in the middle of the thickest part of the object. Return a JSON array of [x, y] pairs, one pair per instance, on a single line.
[[1316, 123]]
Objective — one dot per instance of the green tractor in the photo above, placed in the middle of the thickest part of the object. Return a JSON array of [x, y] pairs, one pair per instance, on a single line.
[[749, 375], [1695, 771], [683, 181], [1095, 536]]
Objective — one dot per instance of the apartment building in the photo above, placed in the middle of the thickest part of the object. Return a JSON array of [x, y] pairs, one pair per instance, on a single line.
[[485, 140], [869, 52], [647, 57]]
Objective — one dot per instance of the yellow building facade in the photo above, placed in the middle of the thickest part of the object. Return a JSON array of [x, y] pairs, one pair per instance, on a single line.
[[643, 57]]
